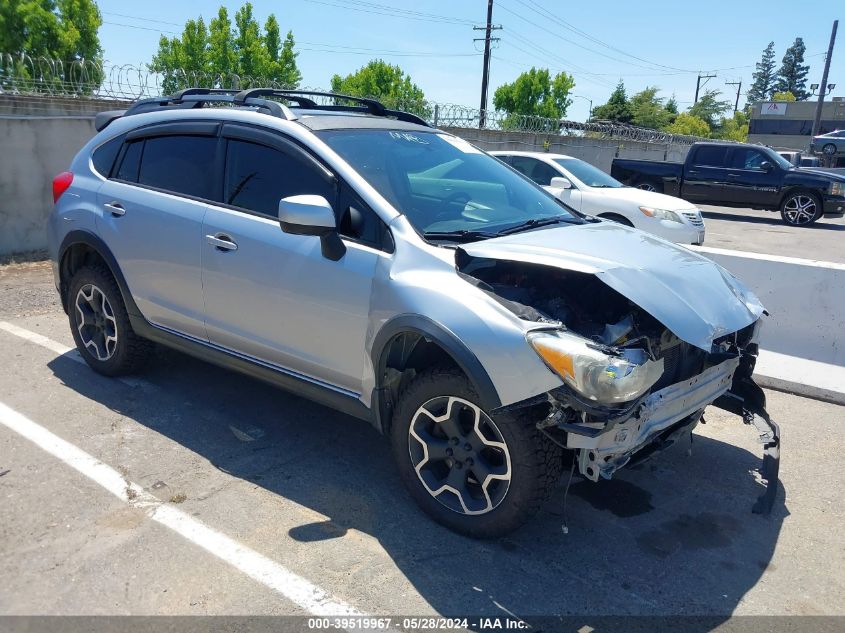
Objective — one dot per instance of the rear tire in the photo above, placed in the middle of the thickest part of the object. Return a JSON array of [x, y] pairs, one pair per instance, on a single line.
[[829, 149], [100, 325], [619, 219], [801, 208], [518, 464]]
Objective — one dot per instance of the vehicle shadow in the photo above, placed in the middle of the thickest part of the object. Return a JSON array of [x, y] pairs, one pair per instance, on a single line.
[[774, 220], [675, 536]]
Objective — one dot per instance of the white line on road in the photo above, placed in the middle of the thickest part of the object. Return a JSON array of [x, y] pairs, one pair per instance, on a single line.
[[269, 573], [59, 348]]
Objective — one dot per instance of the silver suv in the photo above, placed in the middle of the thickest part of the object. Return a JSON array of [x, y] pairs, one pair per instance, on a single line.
[[360, 258]]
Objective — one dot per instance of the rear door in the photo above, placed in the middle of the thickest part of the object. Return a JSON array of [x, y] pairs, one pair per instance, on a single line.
[[706, 175], [271, 295], [152, 208], [747, 182]]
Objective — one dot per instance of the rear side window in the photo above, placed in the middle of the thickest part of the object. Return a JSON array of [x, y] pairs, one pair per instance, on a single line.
[[181, 164], [257, 177], [711, 156], [104, 156], [130, 162]]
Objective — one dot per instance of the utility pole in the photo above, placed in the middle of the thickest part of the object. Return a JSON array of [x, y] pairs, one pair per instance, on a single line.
[[823, 85], [698, 84], [738, 85], [485, 75]]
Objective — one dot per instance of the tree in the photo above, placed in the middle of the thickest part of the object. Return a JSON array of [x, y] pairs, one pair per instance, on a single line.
[[689, 125], [223, 56], [647, 110], [734, 128], [783, 96], [61, 31], [385, 82], [792, 75], [672, 106], [763, 77], [616, 109], [536, 93], [709, 107]]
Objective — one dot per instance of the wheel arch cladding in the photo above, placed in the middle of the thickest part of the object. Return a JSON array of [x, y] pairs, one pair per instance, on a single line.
[[80, 248], [409, 340]]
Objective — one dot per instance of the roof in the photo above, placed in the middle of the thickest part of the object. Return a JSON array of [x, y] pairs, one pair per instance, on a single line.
[[317, 120]]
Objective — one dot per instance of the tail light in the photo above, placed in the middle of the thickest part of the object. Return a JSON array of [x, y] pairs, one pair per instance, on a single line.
[[61, 184]]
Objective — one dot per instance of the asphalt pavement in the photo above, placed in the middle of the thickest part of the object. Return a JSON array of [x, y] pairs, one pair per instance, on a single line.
[[192, 490]]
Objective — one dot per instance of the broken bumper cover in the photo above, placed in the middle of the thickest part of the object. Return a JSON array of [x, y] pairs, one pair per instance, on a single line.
[[663, 416]]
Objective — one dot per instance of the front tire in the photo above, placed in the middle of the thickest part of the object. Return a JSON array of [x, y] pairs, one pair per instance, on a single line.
[[829, 149], [801, 208], [100, 325], [477, 474]]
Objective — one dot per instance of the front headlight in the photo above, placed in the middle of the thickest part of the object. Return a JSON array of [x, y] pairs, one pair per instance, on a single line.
[[661, 214], [837, 188], [598, 376]]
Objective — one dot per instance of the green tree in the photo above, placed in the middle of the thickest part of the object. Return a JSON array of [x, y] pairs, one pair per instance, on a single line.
[[617, 108], [61, 30], [672, 106], [709, 107], [224, 55], [385, 82], [734, 128], [763, 77], [792, 75], [536, 93], [689, 125], [783, 96], [648, 110]]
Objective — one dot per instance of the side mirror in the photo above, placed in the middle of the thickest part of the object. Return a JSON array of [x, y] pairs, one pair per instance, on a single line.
[[312, 215], [766, 166], [559, 182]]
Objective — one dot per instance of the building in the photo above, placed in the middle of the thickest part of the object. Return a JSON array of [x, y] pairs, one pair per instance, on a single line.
[[789, 124]]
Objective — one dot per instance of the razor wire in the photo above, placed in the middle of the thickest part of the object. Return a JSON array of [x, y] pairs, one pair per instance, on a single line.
[[22, 74]]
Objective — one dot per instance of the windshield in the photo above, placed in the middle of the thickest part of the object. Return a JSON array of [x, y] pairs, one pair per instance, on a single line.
[[589, 175], [444, 185]]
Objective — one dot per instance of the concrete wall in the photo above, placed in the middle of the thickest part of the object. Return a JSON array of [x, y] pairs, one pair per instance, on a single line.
[[38, 139], [598, 152]]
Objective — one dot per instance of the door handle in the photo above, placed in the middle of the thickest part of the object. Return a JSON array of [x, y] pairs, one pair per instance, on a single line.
[[221, 242], [115, 208]]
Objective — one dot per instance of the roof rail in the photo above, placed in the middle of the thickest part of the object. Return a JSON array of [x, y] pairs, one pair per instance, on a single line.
[[252, 97]]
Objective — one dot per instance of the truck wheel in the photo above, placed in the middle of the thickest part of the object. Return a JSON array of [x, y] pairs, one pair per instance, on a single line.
[[477, 474], [650, 185], [800, 208], [100, 325], [619, 219]]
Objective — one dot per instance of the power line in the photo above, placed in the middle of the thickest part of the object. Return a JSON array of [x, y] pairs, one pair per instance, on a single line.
[[385, 10]]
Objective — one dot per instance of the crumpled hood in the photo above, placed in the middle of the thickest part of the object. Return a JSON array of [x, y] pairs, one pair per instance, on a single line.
[[694, 297]]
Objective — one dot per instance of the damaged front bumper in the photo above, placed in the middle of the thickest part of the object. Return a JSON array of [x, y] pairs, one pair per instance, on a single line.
[[662, 417]]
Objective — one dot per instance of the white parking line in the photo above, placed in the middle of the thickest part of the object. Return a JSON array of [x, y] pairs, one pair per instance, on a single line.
[[269, 573], [59, 348]]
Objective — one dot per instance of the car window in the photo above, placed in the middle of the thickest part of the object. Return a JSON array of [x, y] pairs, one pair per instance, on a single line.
[[746, 158], [257, 177], [711, 155], [181, 164], [587, 174], [360, 223], [536, 170], [104, 156], [130, 162]]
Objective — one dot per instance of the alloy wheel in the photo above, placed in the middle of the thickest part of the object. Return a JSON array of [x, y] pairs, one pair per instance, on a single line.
[[800, 209], [646, 186], [95, 322], [459, 455], [829, 149]]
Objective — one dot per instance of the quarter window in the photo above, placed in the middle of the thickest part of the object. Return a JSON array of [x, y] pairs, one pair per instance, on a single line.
[[181, 164], [257, 177], [130, 162]]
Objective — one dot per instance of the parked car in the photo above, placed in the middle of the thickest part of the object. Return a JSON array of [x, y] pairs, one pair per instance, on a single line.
[[360, 258], [799, 160], [590, 190], [741, 175], [829, 144]]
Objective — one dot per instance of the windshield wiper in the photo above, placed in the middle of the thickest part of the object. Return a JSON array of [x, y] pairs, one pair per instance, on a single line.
[[533, 223], [459, 235]]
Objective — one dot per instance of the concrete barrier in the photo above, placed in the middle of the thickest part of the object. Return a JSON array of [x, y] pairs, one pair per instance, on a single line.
[[802, 341]]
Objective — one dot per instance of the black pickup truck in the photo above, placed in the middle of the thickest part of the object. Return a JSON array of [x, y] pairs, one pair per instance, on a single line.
[[741, 175]]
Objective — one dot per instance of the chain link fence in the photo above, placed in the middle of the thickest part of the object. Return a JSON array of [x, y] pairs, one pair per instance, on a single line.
[[86, 79]]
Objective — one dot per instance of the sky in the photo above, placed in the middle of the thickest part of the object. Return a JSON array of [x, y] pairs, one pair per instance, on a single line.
[[645, 42]]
